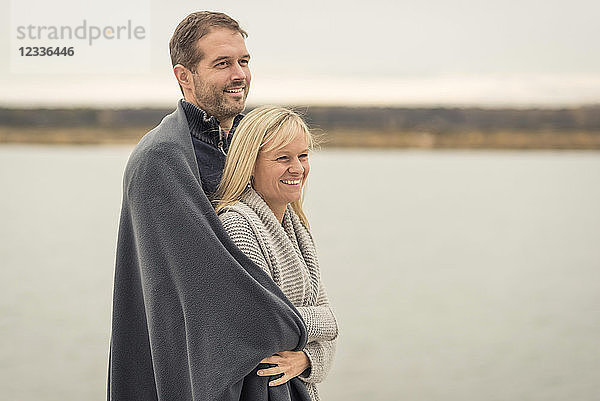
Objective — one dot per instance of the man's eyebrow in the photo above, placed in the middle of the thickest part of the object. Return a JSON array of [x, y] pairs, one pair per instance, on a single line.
[[229, 57], [221, 58]]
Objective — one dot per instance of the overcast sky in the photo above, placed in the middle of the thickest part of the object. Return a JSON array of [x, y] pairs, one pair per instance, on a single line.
[[426, 52]]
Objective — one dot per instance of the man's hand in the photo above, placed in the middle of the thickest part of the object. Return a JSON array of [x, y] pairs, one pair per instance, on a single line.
[[290, 363]]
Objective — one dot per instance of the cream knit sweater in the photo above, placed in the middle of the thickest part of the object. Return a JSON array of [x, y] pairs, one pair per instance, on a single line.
[[287, 253]]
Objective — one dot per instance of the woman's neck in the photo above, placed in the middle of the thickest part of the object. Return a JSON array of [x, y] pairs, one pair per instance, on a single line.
[[278, 212], [277, 209]]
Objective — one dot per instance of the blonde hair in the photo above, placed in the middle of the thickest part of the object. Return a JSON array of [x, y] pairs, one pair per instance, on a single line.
[[264, 128]]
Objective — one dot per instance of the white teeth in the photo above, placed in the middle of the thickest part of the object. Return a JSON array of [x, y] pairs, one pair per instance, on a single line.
[[234, 90], [291, 182]]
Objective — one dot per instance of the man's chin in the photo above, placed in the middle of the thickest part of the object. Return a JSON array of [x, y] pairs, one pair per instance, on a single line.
[[237, 107]]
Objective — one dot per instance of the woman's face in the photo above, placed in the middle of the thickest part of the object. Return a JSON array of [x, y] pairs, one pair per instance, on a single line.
[[279, 174]]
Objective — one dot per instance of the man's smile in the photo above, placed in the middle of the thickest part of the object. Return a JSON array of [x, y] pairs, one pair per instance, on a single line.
[[236, 90]]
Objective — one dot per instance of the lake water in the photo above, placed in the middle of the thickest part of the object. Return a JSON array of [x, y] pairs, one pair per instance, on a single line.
[[456, 275]]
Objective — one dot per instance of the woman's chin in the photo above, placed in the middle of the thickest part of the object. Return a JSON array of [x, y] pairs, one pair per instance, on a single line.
[[295, 197]]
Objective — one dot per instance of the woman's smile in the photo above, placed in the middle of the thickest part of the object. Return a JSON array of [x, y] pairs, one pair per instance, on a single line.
[[291, 182]]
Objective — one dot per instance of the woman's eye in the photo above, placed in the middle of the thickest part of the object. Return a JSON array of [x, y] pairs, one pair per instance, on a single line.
[[282, 158], [303, 156]]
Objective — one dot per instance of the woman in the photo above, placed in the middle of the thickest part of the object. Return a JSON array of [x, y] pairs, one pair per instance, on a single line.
[[259, 201]]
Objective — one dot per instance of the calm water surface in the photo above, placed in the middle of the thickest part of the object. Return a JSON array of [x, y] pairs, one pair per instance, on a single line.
[[455, 275]]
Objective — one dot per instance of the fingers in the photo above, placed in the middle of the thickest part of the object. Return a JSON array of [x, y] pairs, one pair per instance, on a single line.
[[285, 367], [272, 359], [278, 370], [271, 371], [279, 381]]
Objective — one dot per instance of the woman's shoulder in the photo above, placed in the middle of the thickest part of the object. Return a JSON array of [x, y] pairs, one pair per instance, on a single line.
[[238, 213], [240, 219], [238, 226]]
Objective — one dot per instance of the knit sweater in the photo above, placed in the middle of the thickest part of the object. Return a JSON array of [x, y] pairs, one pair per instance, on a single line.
[[287, 253]]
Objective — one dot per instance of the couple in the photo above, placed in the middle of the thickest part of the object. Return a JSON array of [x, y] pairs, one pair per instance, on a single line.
[[226, 306]]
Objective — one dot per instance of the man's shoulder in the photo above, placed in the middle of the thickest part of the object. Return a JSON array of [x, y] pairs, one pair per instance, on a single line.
[[168, 141], [163, 135]]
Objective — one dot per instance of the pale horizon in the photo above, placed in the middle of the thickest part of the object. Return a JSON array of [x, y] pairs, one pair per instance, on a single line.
[[416, 54]]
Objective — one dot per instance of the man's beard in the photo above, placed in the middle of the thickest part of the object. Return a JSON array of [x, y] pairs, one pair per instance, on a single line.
[[214, 101]]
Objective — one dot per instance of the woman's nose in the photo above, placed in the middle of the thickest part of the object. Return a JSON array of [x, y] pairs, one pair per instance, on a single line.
[[296, 167]]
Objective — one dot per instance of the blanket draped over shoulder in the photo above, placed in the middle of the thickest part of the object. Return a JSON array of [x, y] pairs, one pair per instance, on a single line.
[[192, 315]]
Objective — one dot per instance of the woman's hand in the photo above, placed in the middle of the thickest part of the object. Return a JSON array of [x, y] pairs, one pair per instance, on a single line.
[[290, 363]]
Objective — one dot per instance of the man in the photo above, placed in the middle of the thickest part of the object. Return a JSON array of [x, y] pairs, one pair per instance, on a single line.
[[210, 62], [192, 316]]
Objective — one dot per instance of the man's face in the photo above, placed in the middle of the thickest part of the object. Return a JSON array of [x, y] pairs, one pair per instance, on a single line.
[[222, 77]]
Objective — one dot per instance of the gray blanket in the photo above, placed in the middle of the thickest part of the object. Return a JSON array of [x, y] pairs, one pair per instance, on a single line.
[[192, 315]]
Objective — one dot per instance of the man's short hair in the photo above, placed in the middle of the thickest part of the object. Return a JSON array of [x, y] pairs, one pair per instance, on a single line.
[[196, 25]]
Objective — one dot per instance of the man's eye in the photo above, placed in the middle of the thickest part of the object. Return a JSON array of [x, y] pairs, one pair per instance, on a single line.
[[244, 62], [221, 64]]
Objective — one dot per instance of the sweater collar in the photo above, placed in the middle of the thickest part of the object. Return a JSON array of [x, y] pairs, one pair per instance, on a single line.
[[253, 199], [205, 127], [287, 234]]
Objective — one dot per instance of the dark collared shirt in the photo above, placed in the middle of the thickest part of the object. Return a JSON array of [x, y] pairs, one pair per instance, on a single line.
[[211, 143]]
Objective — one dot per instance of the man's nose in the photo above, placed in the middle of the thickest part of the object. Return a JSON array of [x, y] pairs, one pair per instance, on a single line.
[[238, 73]]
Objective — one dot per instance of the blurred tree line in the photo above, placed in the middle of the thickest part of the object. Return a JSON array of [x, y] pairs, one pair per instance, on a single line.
[[384, 119]]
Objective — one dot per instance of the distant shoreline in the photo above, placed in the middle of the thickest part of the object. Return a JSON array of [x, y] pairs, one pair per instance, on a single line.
[[543, 139], [350, 127]]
